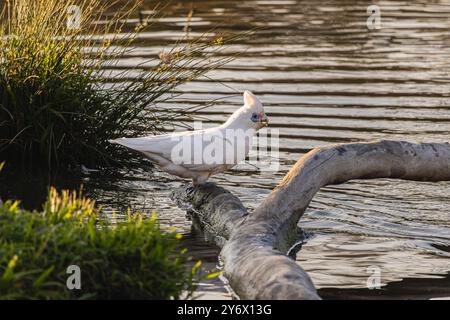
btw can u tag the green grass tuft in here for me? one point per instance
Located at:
(132, 259)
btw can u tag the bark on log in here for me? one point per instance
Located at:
(254, 246)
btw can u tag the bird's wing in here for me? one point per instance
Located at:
(176, 148)
(182, 149)
(161, 145)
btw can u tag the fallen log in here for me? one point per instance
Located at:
(255, 246)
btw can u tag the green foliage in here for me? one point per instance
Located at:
(53, 108)
(132, 259)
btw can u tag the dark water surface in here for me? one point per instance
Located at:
(323, 78)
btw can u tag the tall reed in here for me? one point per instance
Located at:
(54, 110)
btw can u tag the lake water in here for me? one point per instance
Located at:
(324, 78)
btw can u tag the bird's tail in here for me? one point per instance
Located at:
(123, 142)
(132, 143)
(115, 141)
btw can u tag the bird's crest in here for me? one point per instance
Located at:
(250, 100)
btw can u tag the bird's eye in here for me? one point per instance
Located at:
(254, 117)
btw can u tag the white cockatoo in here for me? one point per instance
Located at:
(199, 154)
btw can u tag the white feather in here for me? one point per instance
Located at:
(160, 149)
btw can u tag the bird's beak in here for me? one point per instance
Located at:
(265, 121)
